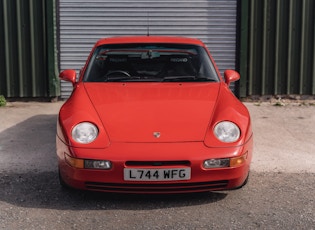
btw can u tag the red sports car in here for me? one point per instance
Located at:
(152, 115)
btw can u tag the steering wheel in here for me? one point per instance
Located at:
(117, 73)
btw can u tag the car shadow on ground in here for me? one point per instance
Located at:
(29, 177)
(42, 190)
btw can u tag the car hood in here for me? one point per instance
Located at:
(154, 112)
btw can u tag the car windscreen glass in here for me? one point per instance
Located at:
(150, 62)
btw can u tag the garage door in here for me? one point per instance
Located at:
(82, 23)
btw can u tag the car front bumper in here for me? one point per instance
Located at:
(154, 156)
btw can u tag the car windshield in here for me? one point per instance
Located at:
(150, 62)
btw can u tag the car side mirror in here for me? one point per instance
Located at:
(231, 76)
(68, 75)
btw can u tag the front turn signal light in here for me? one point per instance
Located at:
(74, 162)
(237, 161)
(87, 164)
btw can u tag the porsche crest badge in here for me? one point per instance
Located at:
(156, 134)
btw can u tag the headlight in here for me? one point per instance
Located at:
(227, 131)
(84, 132)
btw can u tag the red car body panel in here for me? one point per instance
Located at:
(131, 112)
(128, 113)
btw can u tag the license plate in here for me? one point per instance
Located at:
(156, 174)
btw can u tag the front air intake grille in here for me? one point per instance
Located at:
(157, 188)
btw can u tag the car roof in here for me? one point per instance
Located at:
(149, 39)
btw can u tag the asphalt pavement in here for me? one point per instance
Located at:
(280, 193)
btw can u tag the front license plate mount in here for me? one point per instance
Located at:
(145, 174)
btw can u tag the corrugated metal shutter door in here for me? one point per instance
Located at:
(83, 22)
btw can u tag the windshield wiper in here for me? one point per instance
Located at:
(155, 79)
(132, 79)
(186, 79)
(179, 78)
(121, 78)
